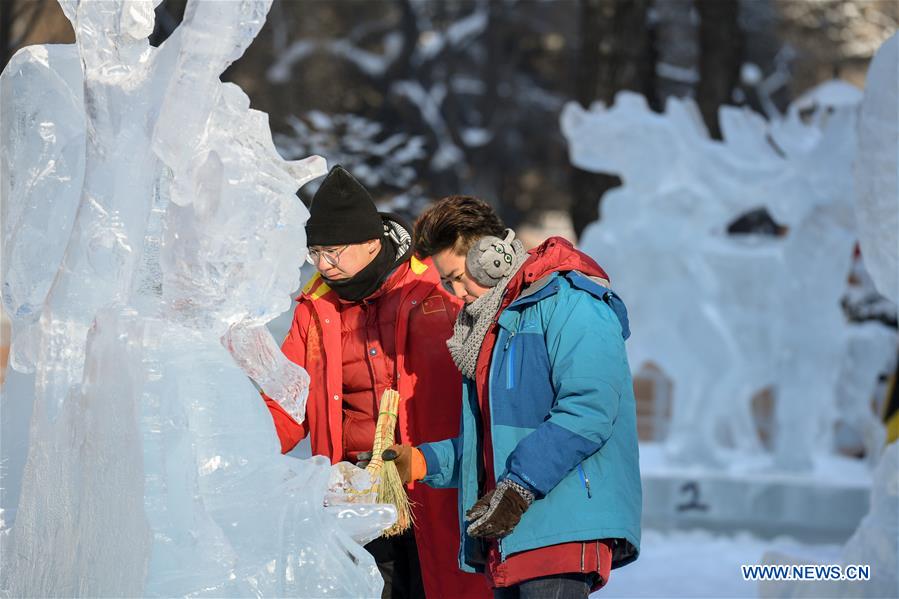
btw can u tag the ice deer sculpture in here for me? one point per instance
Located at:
(726, 316)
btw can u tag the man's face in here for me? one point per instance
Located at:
(347, 260)
(455, 277)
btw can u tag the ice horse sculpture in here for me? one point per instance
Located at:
(726, 316)
(149, 229)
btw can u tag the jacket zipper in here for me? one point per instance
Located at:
(499, 542)
(583, 551)
(585, 480)
(510, 371)
(509, 340)
(510, 380)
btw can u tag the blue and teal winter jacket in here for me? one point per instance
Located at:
(562, 422)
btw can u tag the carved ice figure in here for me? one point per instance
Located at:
(149, 228)
(726, 316)
(870, 351)
(877, 170)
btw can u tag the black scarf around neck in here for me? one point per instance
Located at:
(370, 278)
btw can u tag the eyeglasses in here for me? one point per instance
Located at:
(331, 255)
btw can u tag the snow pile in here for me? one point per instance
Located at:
(724, 315)
(697, 563)
(150, 228)
(877, 170)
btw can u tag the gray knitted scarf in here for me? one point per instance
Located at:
(474, 319)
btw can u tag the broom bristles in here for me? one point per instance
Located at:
(387, 484)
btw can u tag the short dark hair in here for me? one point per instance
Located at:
(456, 222)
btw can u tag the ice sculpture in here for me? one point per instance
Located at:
(149, 229)
(726, 316)
(875, 544)
(870, 351)
(877, 170)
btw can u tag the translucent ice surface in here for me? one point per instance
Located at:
(727, 316)
(874, 544)
(877, 170)
(42, 166)
(150, 230)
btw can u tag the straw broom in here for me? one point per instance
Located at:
(386, 479)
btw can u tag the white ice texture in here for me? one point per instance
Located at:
(727, 316)
(875, 543)
(877, 170)
(149, 229)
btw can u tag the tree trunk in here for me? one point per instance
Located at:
(615, 54)
(6, 11)
(720, 56)
(677, 49)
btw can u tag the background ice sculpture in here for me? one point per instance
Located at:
(726, 316)
(877, 170)
(149, 225)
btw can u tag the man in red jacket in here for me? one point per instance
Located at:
(373, 318)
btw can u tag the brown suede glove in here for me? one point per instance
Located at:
(498, 512)
(410, 462)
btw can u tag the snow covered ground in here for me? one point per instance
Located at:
(701, 564)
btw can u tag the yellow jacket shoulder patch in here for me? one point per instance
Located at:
(418, 267)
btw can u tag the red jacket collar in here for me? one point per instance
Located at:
(389, 283)
(556, 254)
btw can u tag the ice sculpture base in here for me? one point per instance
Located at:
(822, 506)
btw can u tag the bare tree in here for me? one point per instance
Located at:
(721, 54)
(676, 24)
(615, 54)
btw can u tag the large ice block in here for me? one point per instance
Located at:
(877, 169)
(42, 166)
(150, 230)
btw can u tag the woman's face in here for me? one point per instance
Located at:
(455, 277)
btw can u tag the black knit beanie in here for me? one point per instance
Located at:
(342, 211)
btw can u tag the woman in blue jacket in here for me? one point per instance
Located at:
(546, 460)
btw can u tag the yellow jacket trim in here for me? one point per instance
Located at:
(418, 267)
(311, 283)
(322, 288)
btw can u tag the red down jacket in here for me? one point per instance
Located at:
(429, 385)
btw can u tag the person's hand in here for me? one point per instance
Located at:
(498, 512)
(363, 458)
(410, 462)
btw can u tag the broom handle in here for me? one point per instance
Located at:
(385, 428)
